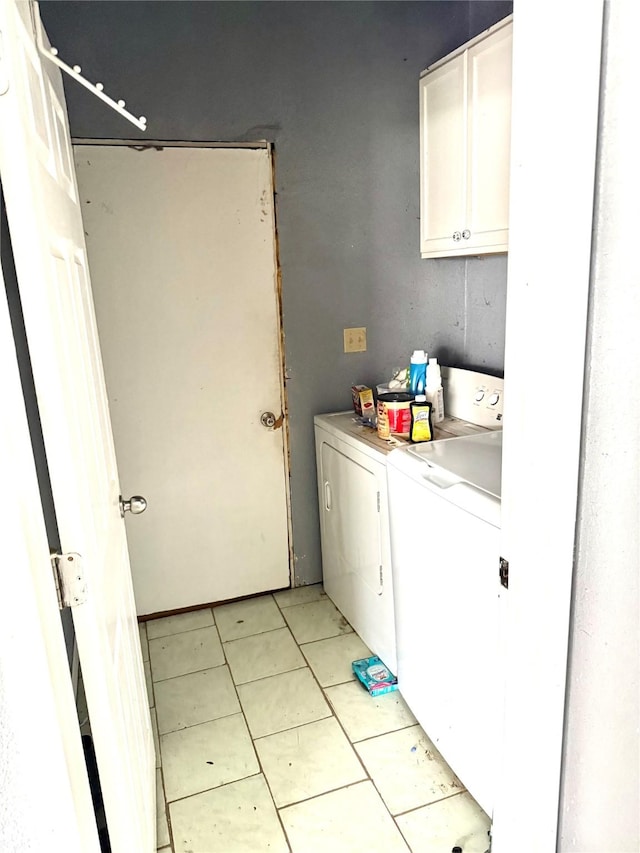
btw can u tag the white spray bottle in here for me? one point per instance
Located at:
(434, 392)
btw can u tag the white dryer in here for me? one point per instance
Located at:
(351, 463)
(354, 527)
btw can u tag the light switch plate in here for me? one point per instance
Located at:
(355, 340)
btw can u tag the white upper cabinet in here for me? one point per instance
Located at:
(465, 133)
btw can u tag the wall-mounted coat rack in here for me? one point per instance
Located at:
(51, 53)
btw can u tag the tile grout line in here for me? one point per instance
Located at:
(426, 805)
(277, 808)
(203, 723)
(341, 727)
(352, 743)
(215, 787)
(164, 790)
(252, 739)
(175, 633)
(332, 714)
(291, 728)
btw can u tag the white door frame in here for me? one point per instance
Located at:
(45, 794)
(553, 160)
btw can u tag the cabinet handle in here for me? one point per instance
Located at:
(457, 236)
(466, 233)
(327, 496)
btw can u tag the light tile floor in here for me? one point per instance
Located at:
(265, 741)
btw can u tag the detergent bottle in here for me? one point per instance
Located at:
(418, 372)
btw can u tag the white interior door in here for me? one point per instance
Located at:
(38, 721)
(182, 253)
(48, 243)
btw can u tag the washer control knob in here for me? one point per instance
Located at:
(479, 395)
(493, 399)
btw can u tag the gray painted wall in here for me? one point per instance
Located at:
(335, 86)
(601, 768)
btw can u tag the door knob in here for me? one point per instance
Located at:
(135, 505)
(268, 419)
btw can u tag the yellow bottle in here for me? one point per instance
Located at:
(421, 425)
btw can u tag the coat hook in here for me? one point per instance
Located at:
(51, 53)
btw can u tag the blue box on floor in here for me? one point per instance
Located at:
(375, 676)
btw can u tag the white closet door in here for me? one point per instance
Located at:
(181, 245)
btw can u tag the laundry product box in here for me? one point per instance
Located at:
(363, 401)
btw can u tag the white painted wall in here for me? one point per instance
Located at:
(600, 808)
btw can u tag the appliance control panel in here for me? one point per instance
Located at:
(472, 396)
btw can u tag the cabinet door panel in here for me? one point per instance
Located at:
(465, 130)
(489, 134)
(352, 545)
(443, 174)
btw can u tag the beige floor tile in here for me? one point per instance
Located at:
(307, 761)
(455, 822)
(167, 625)
(144, 642)
(243, 618)
(207, 756)
(156, 737)
(262, 655)
(316, 620)
(179, 654)
(236, 818)
(350, 820)
(149, 684)
(162, 830)
(363, 715)
(300, 595)
(195, 698)
(331, 659)
(407, 769)
(282, 702)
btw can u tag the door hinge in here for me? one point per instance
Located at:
(504, 572)
(378, 501)
(381, 578)
(68, 574)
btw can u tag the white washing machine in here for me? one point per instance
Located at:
(445, 533)
(354, 514)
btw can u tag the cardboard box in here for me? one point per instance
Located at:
(363, 401)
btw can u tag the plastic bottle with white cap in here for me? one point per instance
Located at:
(434, 392)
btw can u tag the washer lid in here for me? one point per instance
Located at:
(473, 459)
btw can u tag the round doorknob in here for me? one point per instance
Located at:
(268, 420)
(466, 234)
(457, 236)
(135, 505)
